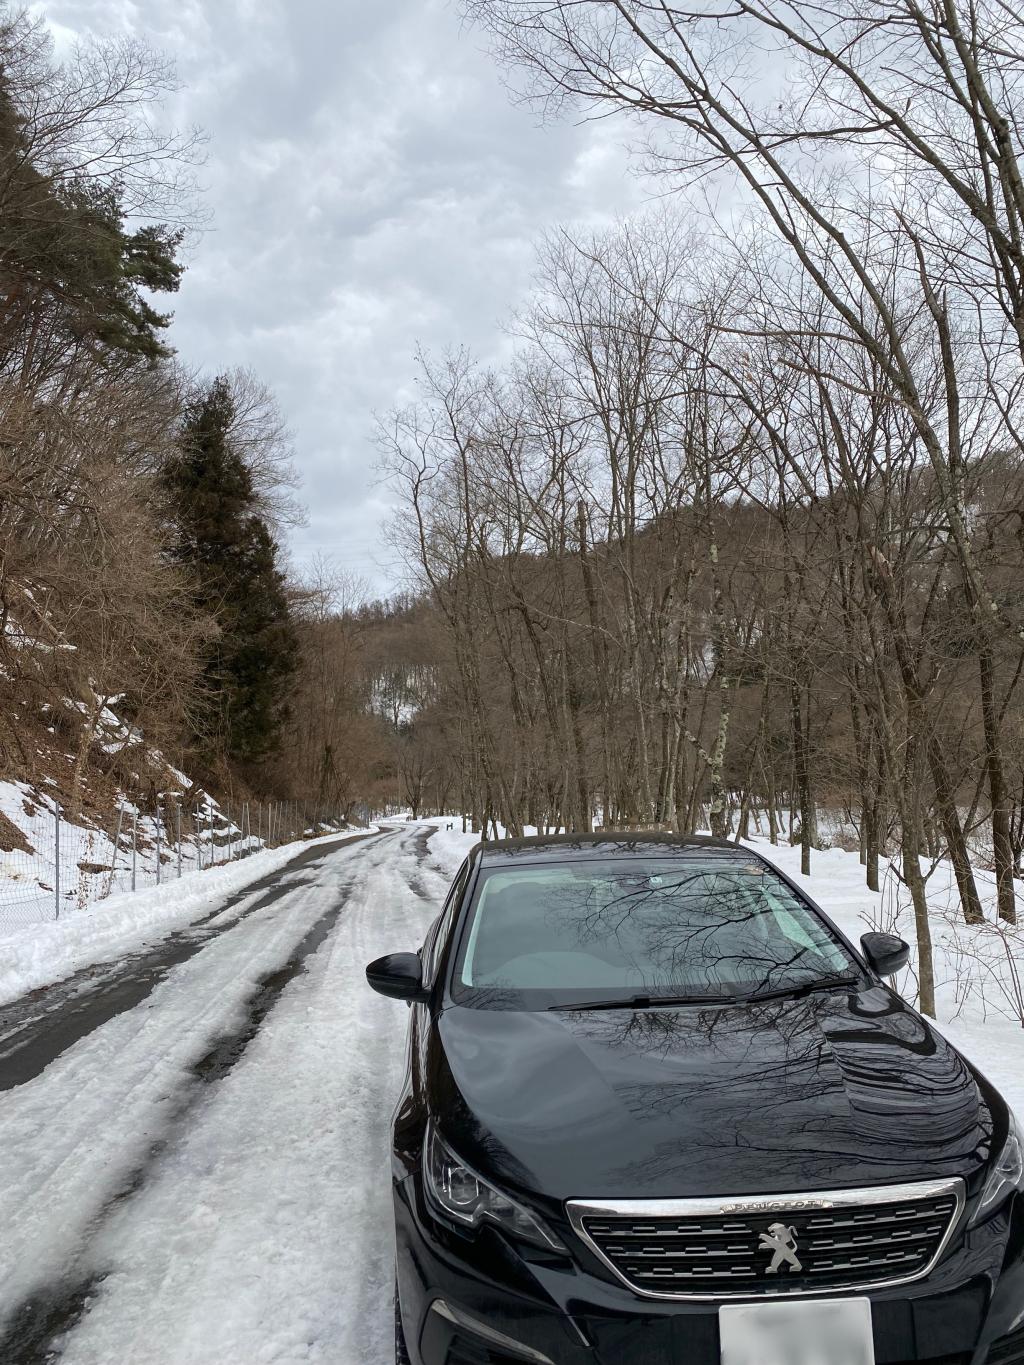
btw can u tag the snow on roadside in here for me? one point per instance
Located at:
(40, 954)
(93, 863)
(968, 1016)
(448, 847)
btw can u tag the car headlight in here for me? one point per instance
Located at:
(1006, 1176)
(468, 1199)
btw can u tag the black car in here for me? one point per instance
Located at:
(659, 1111)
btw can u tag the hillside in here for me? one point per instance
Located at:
(89, 806)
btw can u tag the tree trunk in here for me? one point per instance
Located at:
(870, 820)
(718, 815)
(910, 851)
(1002, 841)
(802, 778)
(945, 799)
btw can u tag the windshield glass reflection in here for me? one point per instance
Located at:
(596, 931)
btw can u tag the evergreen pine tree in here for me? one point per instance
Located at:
(229, 548)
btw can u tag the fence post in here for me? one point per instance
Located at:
(156, 822)
(56, 860)
(117, 850)
(209, 812)
(135, 843)
(177, 833)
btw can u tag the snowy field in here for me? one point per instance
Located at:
(203, 1179)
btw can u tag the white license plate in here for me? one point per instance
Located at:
(825, 1332)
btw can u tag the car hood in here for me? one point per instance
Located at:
(831, 1090)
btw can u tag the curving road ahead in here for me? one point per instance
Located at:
(194, 1143)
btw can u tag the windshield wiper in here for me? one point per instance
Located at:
(825, 983)
(650, 1002)
(646, 1002)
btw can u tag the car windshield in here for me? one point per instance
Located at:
(592, 930)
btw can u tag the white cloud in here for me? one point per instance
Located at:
(372, 188)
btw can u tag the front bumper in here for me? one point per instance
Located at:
(540, 1308)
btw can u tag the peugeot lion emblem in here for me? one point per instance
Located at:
(781, 1241)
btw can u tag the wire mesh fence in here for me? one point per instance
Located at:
(58, 867)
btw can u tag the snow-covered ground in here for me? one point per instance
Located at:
(203, 1179)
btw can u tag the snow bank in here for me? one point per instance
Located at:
(40, 954)
(448, 847)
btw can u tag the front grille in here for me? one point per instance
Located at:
(726, 1249)
(1008, 1350)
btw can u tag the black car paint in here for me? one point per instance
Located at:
(843, 1088)
(829, 1090)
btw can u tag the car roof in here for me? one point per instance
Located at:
(617, 843)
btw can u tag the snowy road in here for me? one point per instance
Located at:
(194, 1152)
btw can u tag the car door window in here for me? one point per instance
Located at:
(438, 935)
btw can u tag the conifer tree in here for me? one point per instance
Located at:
(231, 553)
(71, 267)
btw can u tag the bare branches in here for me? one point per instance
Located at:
(95, 118)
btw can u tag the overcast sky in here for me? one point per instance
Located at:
(372, 187)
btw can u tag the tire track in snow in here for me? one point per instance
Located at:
(418, 845)
(37, 1029)
(80, 1139)
(50, 1313)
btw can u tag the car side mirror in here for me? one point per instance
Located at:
(398, 976)
(886, 954)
